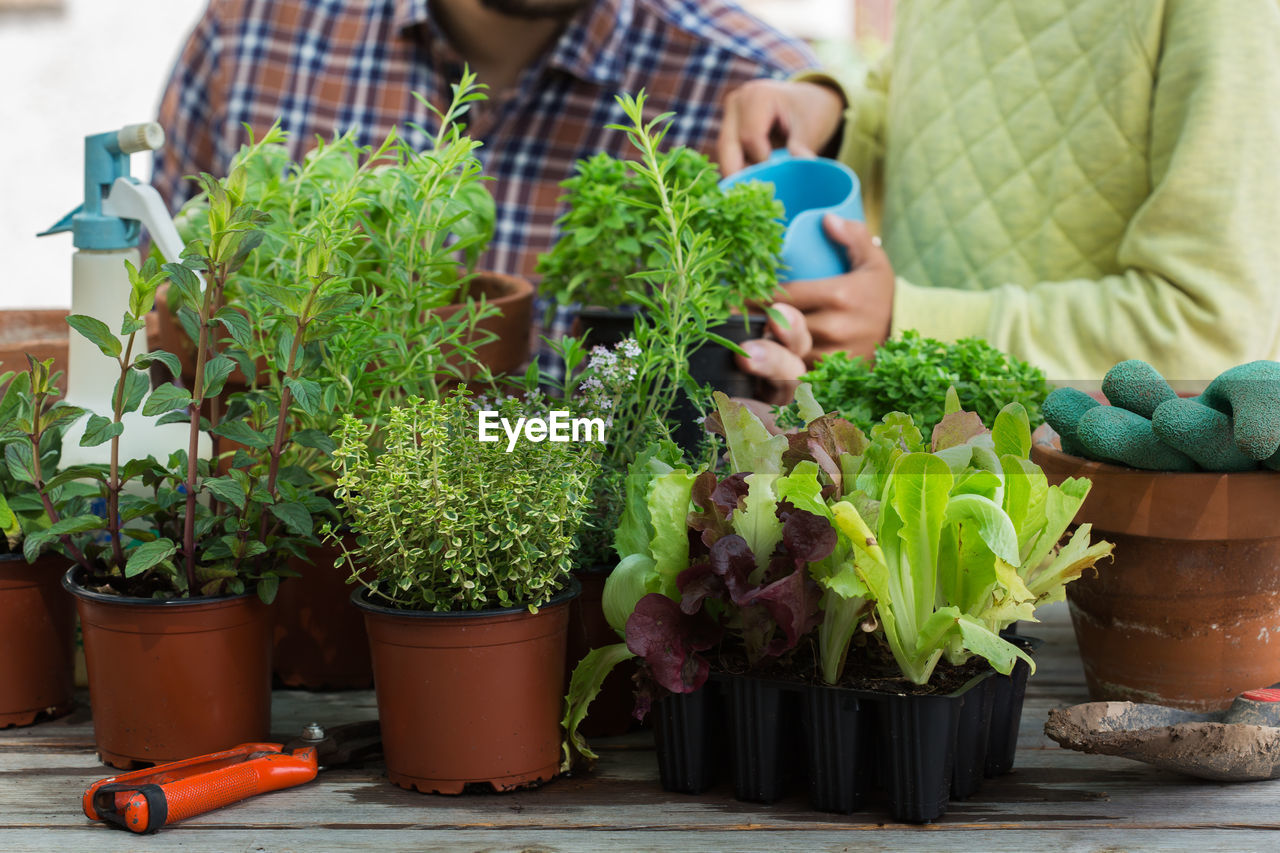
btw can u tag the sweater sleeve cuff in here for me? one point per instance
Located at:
(822, 78)
(941, 313)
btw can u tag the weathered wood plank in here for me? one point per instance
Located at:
(1054, 798)
(766, 840)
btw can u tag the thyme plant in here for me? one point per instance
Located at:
(450, 522)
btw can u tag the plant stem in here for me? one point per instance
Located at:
(38, 484)
(113, 479)
(213, 285)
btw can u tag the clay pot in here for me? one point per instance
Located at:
(37, 641)
(469, 698)
(511, 295)
(514, 298)
(320, 641)
(1185, 614)
(611, 711)
(173, 679)
(43, 333)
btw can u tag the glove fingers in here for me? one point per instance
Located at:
(1110, 432)
(1203, 433)
(1136, 386)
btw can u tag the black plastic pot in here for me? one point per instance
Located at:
(972, 737)
(765, 736)
(1008, 693)
(712, 364)
(923, 749)
(685, 731)
(919, 737)
(839, 728)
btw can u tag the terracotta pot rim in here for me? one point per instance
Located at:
(572, 590)
(1053, 452)
(519, 288)
(72, 585)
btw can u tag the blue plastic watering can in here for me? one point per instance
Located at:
(809, 188)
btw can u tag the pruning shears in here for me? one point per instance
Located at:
(142, 801)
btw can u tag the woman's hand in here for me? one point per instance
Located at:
(846, 313)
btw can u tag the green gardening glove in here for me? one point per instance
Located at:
(1136, 386)
(1063, 409)
(1119, 435)
(1250, 396)
(1203, 433)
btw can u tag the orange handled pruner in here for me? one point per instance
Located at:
(144, 800)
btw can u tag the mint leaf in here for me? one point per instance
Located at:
(148, 555)
(97, 333)
(99, 430)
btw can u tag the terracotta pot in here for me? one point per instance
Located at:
(1185, 615)
(37, 640)
(469, 698)
(320, 641)
(43, 333)
(611, 711)
(514, 298)
(173, 679)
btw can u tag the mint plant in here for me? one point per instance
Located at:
(29, 407)
(449, 522)
(189, 526)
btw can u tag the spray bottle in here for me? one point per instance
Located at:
(105, 230)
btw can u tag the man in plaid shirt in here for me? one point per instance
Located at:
(552, 67)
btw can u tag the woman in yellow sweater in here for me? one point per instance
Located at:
(1077, 182)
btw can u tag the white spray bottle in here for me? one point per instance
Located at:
(105, 230)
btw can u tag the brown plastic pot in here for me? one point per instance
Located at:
(514, 298)
(320, 641)
(469, 698)
(1188, 615)
(173, 679)
(37, 641)
(611, 711)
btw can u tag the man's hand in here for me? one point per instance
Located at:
(765, 114)
(850, 313)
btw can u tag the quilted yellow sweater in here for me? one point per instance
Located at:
(1081, 181)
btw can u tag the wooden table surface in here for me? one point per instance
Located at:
(1054, 800)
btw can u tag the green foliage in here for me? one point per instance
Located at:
(614, 228)
(394, 233)
(186, 526)
(959, 540)
(27, 405)
(681, 239)
(449, 522)
(912, 374)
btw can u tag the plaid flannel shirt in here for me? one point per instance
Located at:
(326, 66)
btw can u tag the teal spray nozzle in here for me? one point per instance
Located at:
(116, 204)
(105, 229)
